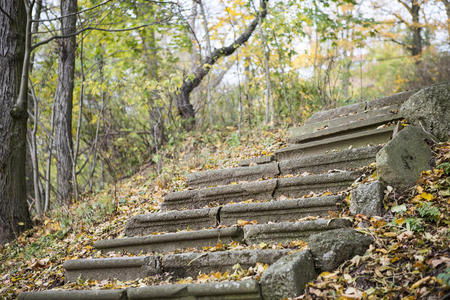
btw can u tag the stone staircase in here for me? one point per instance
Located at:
(274, 194)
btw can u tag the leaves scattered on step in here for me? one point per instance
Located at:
(410, 258)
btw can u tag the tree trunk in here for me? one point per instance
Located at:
(208, 48)
(64, 101)
(416, 47)
(191, 81)
(14, 215)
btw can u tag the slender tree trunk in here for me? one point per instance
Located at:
(14, 215)
(64, 102)
(416, 47)
(269, 116)
(34, 155)
(208, 48)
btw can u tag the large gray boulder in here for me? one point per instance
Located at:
(331, 248)
(430, 108)
(401, 161)
(367, 199)
(288, 277)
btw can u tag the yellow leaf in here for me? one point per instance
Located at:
(427, 196)
(420, 282)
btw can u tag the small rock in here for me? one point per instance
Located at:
(430, 108)
(401, 161)
(288, 277)
(367, 199)
(333, 247)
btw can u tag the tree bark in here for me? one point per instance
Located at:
(14, 215)
(64, 101)
(191, 81)
(416, 47)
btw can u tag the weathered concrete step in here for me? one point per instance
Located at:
(173, 241)
(258, 160)
(396, 99)
(146, 224)
(275, 232)
(278, 211)
(354, 140)
(225, 290)
(259, 190)
(191, 264)
(226, 176)
(341, 160)
(315, 127)
(75, 295)
(367, 122)
(179, 265)
(298, 186)
(121, 268)
(288, 231)
(273, 211)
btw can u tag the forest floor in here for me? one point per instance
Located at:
(410, 258)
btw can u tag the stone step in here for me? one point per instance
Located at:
(260, 190)
(264, 212)
(299, 186)
(341, 160)
(278, 211)
(289, 231)
(396, 99)
(170, 221)
(178, 265)
(316, 127)
(227, 176)
(225, 290)
(190, 199)
(350, 124)
(173, 241)
(258, 160)
(275, 232)
(375, 136)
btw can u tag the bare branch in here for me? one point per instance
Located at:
(72, 14)
(90, 28)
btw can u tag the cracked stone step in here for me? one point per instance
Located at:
(75, 295)
(275, 232)
(396, 99)
(341, 160)
(227, 176)
(146, 224)
(258, 160)
(281, 210)
(315, 127)
(121, 268)
(375, 136)
(172, 241)
(191, 264)
(299, 186)
(178, 265)
(260, 190)
(364, 121)
(288, 231)
(225, 290)
(264, 212)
